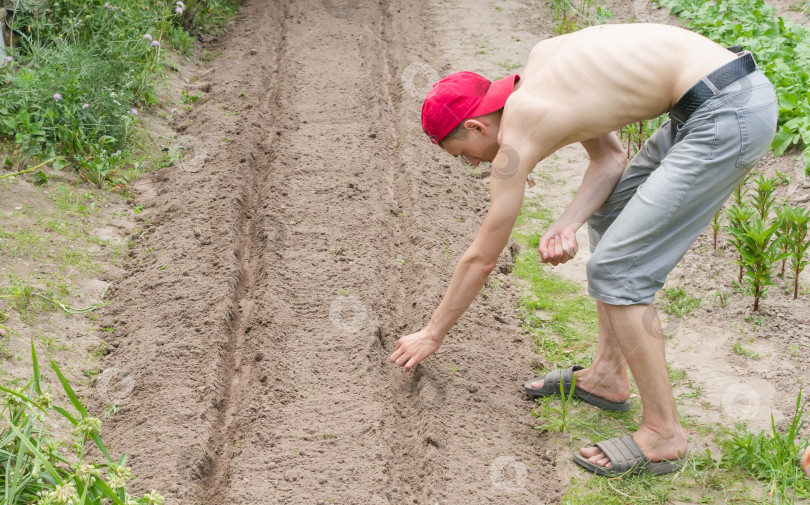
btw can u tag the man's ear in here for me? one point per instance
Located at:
(474, 125)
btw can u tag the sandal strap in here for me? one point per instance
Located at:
(553, 379)
(623, 452)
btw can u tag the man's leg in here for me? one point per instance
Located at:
(660, 435)
(712, 154)
(607, 375)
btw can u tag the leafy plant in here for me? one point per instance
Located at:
(763, 196)
(758, 250)
(772, 457)
(32, 467)
(679, 302)
(781, 49)
(737, 215)
(798, 243)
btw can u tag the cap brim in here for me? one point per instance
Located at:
(496, 96)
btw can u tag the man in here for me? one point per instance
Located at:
(642, 216)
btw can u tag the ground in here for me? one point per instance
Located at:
(309, 225)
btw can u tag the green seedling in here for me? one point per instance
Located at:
(716, 227)
(798, 243)
(763, 196)
(737, 216)
(759, 250)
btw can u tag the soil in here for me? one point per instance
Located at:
(283, 258)
(310, 225)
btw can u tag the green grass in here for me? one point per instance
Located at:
(678, 302)
(33, 465)
(561, 319)
(742, 350)
(563, 323)
(80, 72)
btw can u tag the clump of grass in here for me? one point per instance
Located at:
(679, 302)
(33, 468)
(78, 72)
(771, 457)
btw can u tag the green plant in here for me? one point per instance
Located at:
(798, 242)
(559, 422)
(32, 467)
(716, 227)
(772, 457)
(758, 250)
(679, 302)
(780, 48)
(635, 134)
(738, 215)
(763, 196)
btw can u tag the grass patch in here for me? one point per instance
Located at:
(678, 302)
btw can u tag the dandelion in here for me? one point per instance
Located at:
(147, 36)
(85, 105)
(133, 111)
(155, 43)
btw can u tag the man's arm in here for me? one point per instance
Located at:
(607, 162)
(509, 171)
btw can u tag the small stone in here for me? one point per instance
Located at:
(254, 52)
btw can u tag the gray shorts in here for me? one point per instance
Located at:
(673, 187)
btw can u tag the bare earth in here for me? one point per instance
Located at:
(311, 225)
(291, 249)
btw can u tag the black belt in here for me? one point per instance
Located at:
(720, 78)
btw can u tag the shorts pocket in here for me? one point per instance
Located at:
(757, 129)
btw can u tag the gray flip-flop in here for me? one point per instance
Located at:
(551, 387)
(627, 457)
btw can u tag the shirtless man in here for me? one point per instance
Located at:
(582, 87)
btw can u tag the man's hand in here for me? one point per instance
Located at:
(413, 348)
(558, 245)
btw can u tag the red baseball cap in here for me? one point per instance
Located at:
(460, 96)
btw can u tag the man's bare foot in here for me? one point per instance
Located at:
(656, 447)
(610, 387)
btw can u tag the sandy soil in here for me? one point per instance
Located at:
(310, 226)
(294, 245)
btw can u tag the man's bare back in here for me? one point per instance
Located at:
(638, 72)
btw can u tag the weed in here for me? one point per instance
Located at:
(741, 350)
(35, 469)
(678, 302)
(772, 457)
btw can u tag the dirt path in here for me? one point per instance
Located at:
(310, 227)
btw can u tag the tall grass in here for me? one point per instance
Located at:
(33, 466)
(78, 72)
